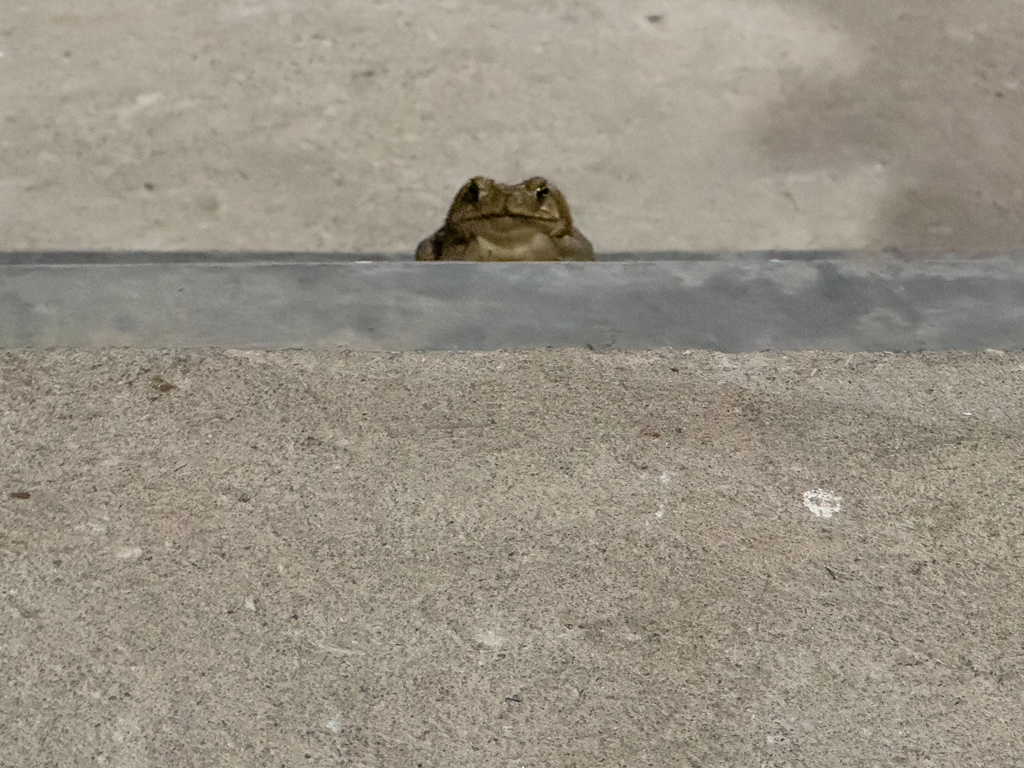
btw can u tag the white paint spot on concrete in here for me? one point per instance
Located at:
(249, 603)
(823, 503)
(665, 477)
(490, 639)
(128, 553)
(661, 511)
(333, 725)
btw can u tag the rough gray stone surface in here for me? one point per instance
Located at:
(550, 558)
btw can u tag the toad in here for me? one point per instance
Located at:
(489, 221)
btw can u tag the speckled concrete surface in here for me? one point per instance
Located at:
(510, 559)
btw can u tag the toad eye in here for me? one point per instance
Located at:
(473, 192)
(542, 193)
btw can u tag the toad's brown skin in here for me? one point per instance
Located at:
(489, 221)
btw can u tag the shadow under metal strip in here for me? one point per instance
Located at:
(728, 302)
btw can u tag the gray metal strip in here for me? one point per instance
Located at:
(727, 302)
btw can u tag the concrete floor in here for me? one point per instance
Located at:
(670, 125)
(553, 558)
(548, 558)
